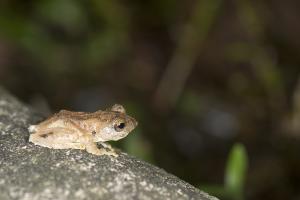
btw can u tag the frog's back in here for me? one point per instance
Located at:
(65, 114)
(83, 116)
(60, 118)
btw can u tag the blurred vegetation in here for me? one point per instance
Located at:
(234, 177)
(236, 169)
(200, 76)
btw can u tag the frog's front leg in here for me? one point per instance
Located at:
(107, 146)
(91, 147)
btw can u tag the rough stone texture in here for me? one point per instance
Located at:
(33, 172)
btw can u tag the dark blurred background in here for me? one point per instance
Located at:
(198, 75)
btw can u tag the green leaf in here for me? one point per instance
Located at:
(236, 170)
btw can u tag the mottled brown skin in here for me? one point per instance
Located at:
(81, 130)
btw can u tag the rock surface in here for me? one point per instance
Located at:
(32, 172)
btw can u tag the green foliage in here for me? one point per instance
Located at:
(68, 35)
(235, 175)
(236, 170)
(64, 13)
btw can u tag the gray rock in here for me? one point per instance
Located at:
(32, 172)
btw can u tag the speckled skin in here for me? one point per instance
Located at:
(80, 130)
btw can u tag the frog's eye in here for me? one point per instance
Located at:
(119, 127)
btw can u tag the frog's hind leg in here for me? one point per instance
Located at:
(40, 138)
(57, 138)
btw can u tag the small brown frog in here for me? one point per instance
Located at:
(81, 130)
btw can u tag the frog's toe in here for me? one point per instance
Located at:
(113, 153)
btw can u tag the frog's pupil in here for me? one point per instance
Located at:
(121, 125)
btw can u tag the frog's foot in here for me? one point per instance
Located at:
(107, 146)
(92, 148)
